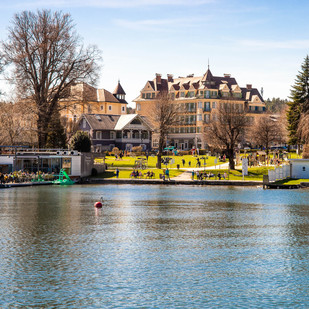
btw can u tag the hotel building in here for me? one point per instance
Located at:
(197, 99)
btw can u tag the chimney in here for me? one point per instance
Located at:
(249, 86)
(227, 75)
(158, 78)
(169, 77)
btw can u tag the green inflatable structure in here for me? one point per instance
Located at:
(63, 179)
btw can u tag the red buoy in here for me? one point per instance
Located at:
(98, 205)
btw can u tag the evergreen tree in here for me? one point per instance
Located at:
(56, 137)
(299, 104)
(81, 142)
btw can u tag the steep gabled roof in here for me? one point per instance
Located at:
(124, 120)
(119, 89)
(250, 94)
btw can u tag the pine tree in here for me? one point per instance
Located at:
(56, 137)
(299, 104)
(81, 142)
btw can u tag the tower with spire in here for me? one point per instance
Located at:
(119, 93)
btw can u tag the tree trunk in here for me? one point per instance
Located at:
(42, 134)
(230, 155)
(160, 150)
(159, 156)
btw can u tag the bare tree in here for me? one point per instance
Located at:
(266, 130)
(227, 128)
(48, 57)
(16, 125)
(163, 114)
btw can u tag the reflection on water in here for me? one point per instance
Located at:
(153, 247)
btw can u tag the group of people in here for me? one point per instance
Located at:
(23, 176)
(138, 174)
(205, 175)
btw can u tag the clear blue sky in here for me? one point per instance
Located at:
(258, 42)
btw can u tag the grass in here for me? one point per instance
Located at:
(129, 162)
(291, 181)
(126, 173)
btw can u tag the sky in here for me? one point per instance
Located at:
(258, 42)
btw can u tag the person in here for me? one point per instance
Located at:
(1, 178)
(117, 172)
(197, 175)
(189, 163)
(193, 175)
(183, 162)
(225, 175)
(167, 174)
(219, 176)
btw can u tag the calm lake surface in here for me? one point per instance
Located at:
(154, 247)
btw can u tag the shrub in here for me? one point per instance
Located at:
(81, 142)
(137, 149)
(115, 151)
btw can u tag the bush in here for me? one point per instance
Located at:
(81, 142)
(137, 149)
(115, 151)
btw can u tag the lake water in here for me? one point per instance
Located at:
(154, 247)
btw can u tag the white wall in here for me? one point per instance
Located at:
(300, 168)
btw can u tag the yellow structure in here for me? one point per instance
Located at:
(85, 99)
(198, 98)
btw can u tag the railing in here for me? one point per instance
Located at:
(279, 173)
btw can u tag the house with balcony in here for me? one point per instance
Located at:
(122, 131)
(198, 98)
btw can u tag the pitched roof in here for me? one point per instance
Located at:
(250, 94)
(101, 122)
(112, 122)
(105, 96)
(119, 89)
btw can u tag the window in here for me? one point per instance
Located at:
(136, 121)
(225, 94)
(206, 94)
(84, 123)
(148, 95)
(138, 107)
(143, 95)
(182, 94)
(214, 94)
(206, 118)
(101, 107)
(200, 104)
(109, 107)
(123, 109)
(206, 106)
(213, 104)
(199, 117)
(112, 135)
(98, 135)
(153, 95)
(191, 94)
